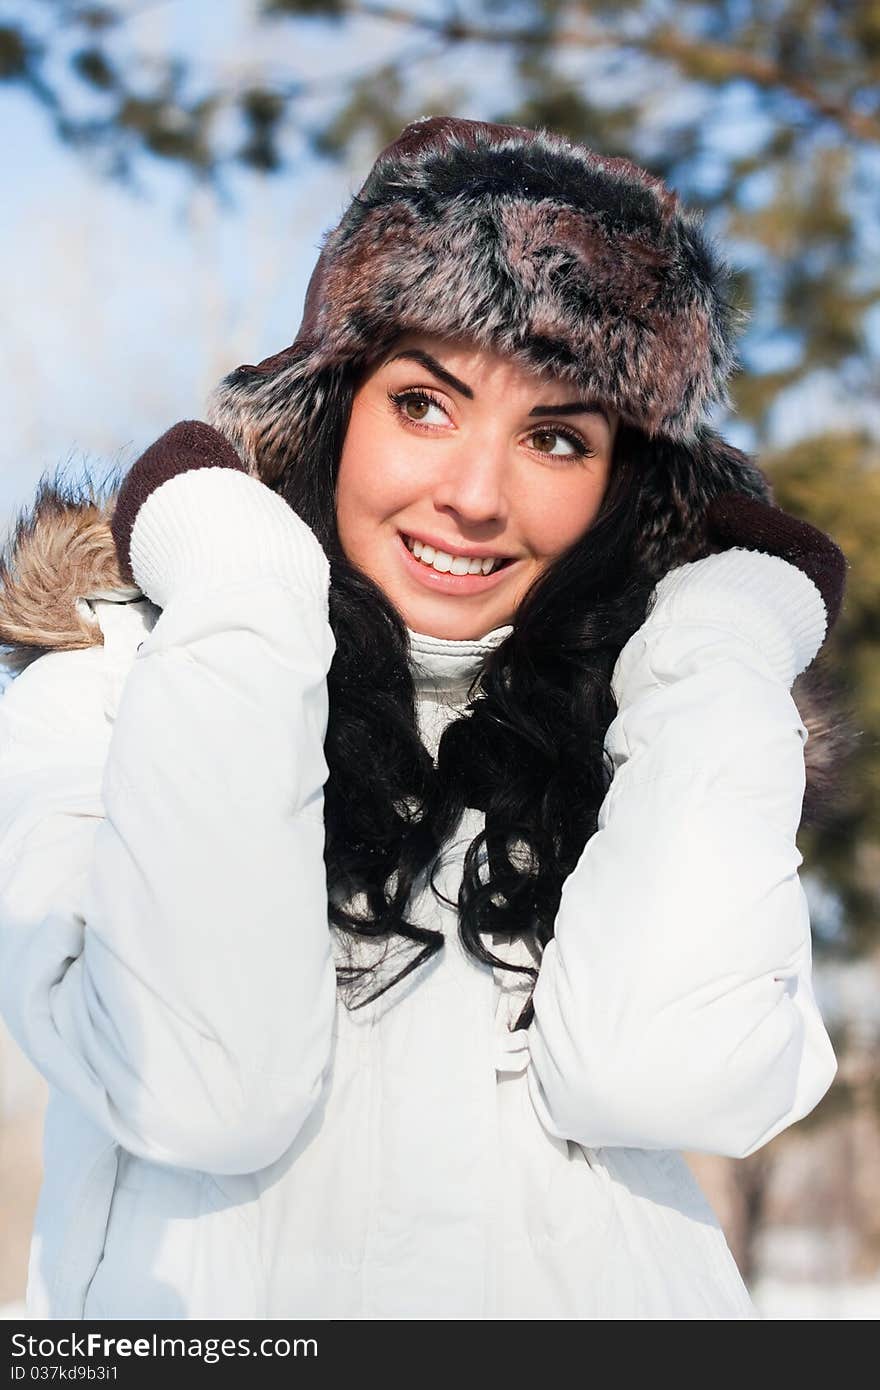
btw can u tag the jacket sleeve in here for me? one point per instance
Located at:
(674, 1008)
(166, 951)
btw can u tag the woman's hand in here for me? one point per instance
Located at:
(186, 445)
(735, 520)
(189, 516)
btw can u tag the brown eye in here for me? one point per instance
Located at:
(414, 405)
(547, 439)
(573, 447)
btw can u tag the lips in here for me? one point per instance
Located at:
(445, 582)
(445, 562)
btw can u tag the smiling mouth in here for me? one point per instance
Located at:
(444, 563)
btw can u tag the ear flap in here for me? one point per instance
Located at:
(270, 412)
(678, 481)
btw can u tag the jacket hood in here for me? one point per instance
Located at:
(60, 553)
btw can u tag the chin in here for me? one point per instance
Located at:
(450, 626)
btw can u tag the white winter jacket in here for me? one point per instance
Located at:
(224, 1139)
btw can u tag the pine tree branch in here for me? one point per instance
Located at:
(700, 58)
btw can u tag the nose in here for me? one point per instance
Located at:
(473, 483)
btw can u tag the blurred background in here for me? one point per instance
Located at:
(169, 170)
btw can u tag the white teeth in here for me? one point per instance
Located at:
(445, 563)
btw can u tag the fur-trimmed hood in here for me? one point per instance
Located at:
(60, 553)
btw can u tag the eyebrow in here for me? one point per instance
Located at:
(426, 360)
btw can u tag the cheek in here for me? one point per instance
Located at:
(558, 514)
(375, 478)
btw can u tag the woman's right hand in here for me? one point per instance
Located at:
(189, 517)
(165, 959)
(186, 445)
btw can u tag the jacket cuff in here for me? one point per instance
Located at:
(768, 601)
(214, 526)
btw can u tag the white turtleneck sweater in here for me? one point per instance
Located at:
(443, 670)
(224, 1138)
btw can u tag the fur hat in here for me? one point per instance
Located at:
(573, 262)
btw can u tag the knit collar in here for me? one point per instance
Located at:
(446, 666)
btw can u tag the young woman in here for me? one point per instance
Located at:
(398, 818)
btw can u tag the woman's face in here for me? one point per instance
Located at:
(455, 457)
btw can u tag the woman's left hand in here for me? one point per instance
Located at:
(733, 519)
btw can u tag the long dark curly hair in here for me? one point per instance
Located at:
(527, 749)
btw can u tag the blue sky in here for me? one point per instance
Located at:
(120, 312)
